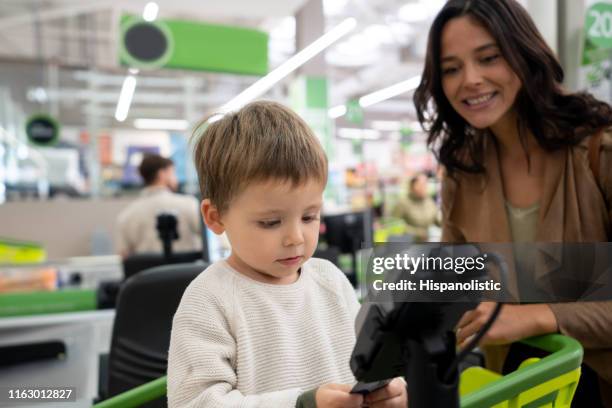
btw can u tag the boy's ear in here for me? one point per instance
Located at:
(212, 217)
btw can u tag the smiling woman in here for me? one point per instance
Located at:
(525, 161)
(477, 80)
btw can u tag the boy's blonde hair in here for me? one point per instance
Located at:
(264, 140)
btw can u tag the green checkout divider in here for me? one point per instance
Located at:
(60, 301)
(565, 358)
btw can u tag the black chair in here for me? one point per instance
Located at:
(330, 253)
(348, 232)
(140, 262)
(141, 332)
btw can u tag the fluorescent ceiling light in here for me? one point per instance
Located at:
(387, 125)
(264, 84)
(38, 94)
(379, 33)
(214, 118)
(413, 12)
(125, 98)
(169, 124)
(333, 7)
(150, 11)
(336, 111)
(23, 152)
(390, 92)
(360, 134)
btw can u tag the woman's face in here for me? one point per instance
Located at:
(476, 79)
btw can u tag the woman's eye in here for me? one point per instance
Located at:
(449, 70)
(269, 224)
(490, 58)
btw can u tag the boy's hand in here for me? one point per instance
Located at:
(337, 395)
(393, 395)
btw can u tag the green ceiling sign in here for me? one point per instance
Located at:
(42, 129)
(192, 45)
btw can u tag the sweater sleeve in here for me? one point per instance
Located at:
(201, 369)
(605, 174)
(588, 322)
(591, 322)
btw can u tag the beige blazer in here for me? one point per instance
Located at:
(572, 209)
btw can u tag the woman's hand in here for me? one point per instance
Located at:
(514, 322)
(393, 395)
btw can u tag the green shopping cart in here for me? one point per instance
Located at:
(548, 382)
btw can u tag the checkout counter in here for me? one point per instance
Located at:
(57, 335)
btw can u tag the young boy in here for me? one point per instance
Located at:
(269, 326)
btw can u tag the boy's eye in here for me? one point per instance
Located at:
(309, 218)
(269, 223)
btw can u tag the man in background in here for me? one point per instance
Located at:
(137, 231)
(417, 209)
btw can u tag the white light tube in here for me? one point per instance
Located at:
(150, 11)
(336, 111)
(214, 118)
(125, 98)
(264, 84)
(389, 92)
(168, 124)
(359, 134)
(387, 125)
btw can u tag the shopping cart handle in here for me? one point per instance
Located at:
(566, 356)
(568, 351)
(136, 396)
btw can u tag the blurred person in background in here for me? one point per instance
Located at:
(137, 232)
(417, 209)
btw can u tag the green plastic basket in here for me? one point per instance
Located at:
(547, 382)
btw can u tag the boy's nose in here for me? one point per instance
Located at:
(293, 236)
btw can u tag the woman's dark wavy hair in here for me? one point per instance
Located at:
(556, 119)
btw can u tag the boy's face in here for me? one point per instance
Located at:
(273, 228)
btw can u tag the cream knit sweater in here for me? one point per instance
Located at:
(237, 342)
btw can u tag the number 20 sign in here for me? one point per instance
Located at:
(598, 25)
